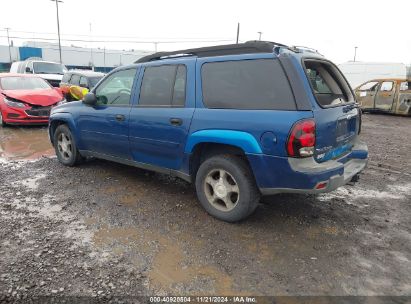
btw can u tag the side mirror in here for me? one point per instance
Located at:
(28, 70)
(90, 99)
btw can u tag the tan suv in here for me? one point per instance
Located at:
(385, 95)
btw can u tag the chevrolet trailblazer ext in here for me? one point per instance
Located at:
(239, 121)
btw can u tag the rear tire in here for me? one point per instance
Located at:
(65, 147)
(226, 188)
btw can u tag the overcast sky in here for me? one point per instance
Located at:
(380, 29)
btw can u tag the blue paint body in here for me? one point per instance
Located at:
(147, 137)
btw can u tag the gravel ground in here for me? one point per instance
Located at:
(104, 230)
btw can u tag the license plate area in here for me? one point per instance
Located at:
(346, 128)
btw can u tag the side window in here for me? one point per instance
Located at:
(163, 86)
(83, 82)
(386, 86)
(405, 86)
(116, 88)
(246, 84)
(66, 78)
(179, 94)
(75, 80)
(369, 86)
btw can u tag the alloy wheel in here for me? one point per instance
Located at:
(221, 190)
(65, 146)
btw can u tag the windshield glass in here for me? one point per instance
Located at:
(48, 68)
(93, 81)
(23, 83)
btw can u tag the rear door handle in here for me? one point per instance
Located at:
(120, 117)
(176, 121)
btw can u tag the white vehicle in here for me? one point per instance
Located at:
(360, 72)
(51, 71)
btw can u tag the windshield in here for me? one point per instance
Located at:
(23, 83)
(49, 68)
(93, 81)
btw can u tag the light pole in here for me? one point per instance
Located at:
(8, 41)
(238, 32)
(58, 24)
(355, 52)
(91, 51)
(259, 37)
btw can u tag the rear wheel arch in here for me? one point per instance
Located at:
(204, 150)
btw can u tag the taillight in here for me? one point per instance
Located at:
(301, 140)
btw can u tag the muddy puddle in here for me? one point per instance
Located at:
(24, 143)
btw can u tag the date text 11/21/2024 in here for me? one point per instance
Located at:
(203, 299)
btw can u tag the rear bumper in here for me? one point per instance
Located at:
(292, 175)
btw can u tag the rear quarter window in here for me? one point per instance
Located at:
(258, 84)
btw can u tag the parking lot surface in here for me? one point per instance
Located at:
(103, 229)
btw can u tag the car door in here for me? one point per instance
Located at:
(104, 127)
(160, 120)
(385, 96)
(366, 94)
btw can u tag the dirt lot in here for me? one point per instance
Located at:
(103, 229)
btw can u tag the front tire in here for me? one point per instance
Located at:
(65, 147)
(226, 188)
(2, 123)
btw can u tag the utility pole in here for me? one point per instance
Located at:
(104, 58)
(155, 46)
(91, 51)
(8, 41)
(355, 52)
(259, 37)
(58, 24)
(238, 32)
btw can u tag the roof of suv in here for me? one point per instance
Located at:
(248, 47)
(86, 73)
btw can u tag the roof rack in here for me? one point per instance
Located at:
(219, 50)
(300, 48)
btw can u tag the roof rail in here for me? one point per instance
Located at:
(299, 48)
(218, 50)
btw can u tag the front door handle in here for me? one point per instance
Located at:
(176, 121)
(120, 117)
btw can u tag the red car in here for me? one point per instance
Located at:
(26, 99)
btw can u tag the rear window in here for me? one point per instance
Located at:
(259, 84)
(328, 84)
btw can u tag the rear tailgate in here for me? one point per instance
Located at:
(337, 115)
(337, 129)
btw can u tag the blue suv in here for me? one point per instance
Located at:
(239, 121)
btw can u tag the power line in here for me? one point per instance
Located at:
(121, 41)
(125, 37)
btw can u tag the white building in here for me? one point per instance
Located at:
(72, 56)
(359, 72)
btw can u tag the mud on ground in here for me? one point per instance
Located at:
(103, 229)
